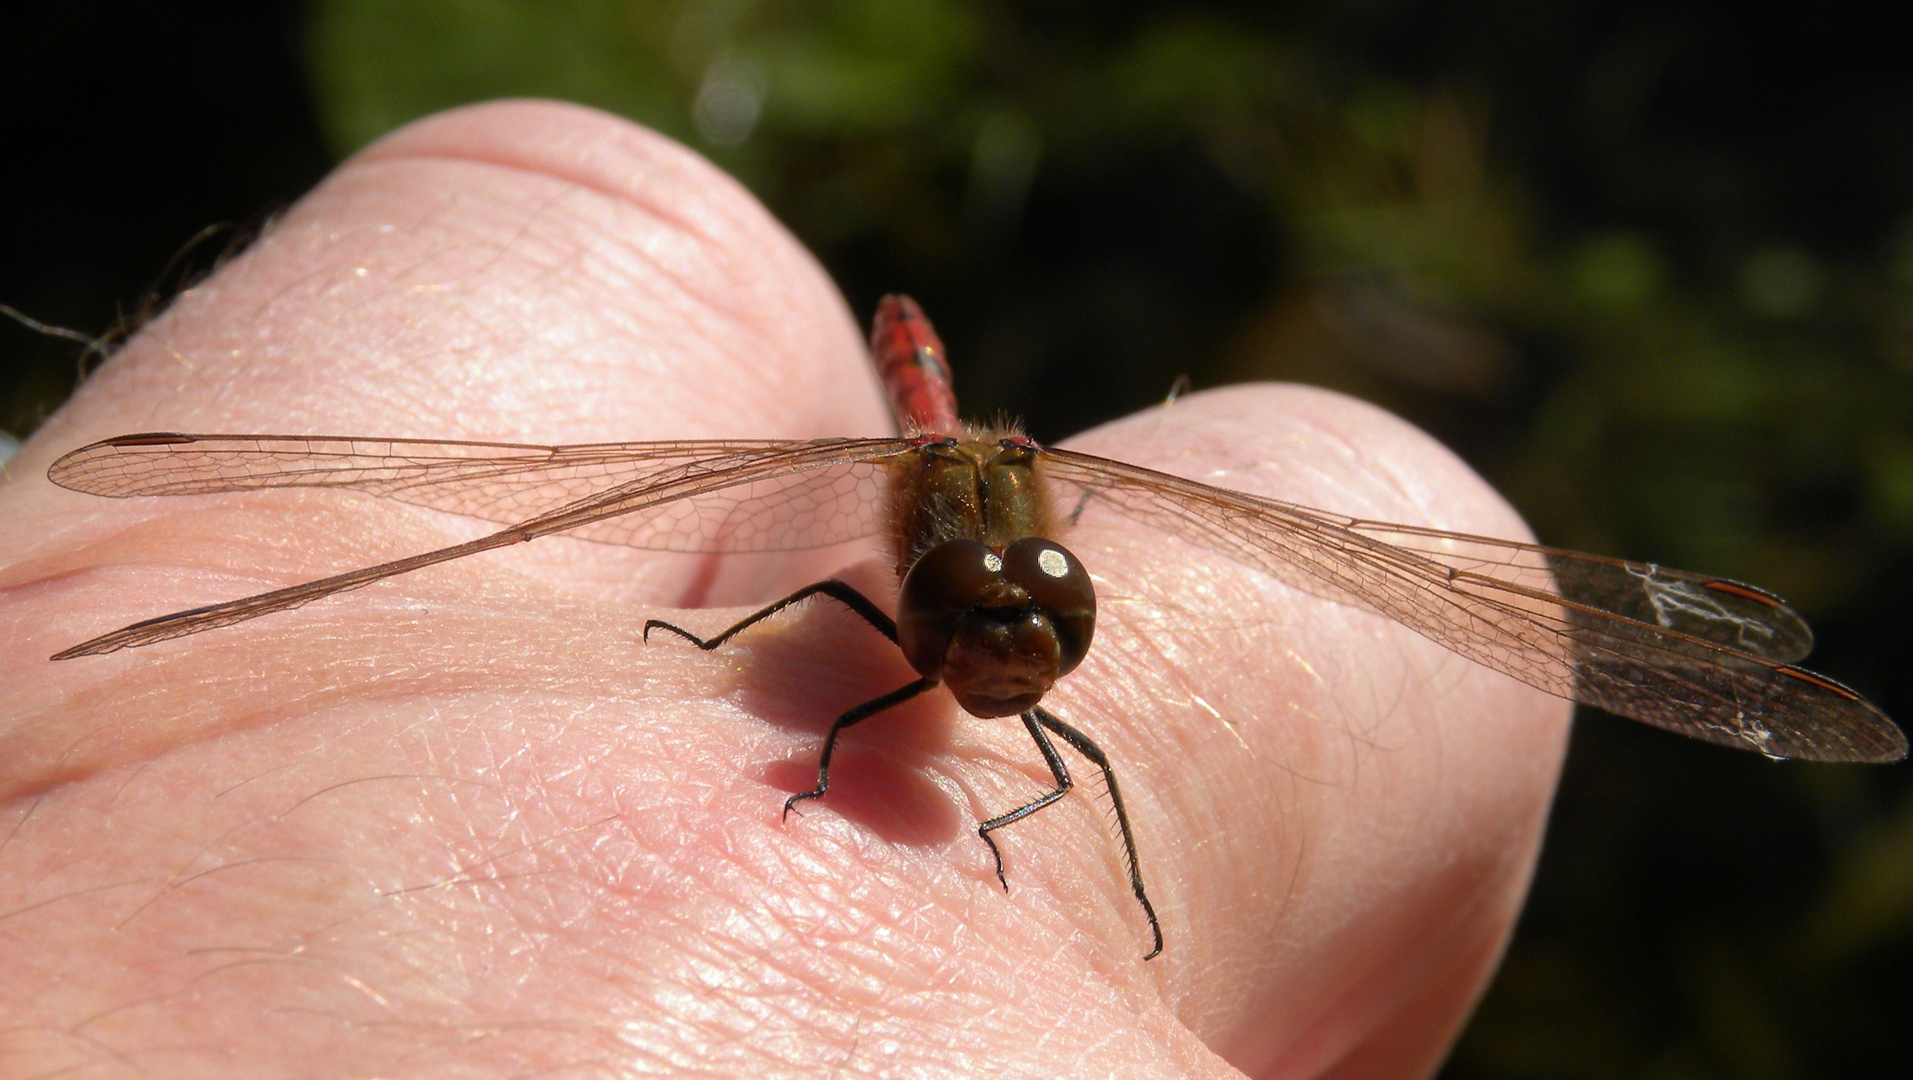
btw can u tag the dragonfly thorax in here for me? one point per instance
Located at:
(985, 486)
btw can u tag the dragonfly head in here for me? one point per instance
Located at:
(999, 628)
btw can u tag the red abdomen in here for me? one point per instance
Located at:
(910, 358)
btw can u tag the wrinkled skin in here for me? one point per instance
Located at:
(466, 824)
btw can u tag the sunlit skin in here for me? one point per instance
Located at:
(473, 821)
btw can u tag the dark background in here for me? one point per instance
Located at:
(1649, 266)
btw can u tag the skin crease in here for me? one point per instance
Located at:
(465, 823)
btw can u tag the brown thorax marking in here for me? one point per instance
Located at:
(983, 485)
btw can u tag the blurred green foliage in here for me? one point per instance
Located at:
(1093, 198)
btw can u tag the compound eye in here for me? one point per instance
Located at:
(945, 582)
(1060, 588)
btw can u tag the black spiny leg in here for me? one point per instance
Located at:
(862, 712)
(1094, 753)
(857, 602)
(860, 605)
(1088, 748)
(1056, 768)
(1082, 504)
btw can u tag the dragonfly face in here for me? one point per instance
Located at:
(997, 627)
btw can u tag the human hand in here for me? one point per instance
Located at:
(466, 823)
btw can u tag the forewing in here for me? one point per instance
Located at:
(1637, 641)
(1728, 613)
(758, 497)
(513, 483)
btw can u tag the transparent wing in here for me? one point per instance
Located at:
(686, 496)
(1717, 610)
(512, 483)
(1700, 656)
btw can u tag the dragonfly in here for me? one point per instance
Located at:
(993, 607)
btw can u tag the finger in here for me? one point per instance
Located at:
(524, 272)
(1337, 817)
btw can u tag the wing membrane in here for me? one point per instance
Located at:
(1699, 656)
(1704, 657)
(1717, 610)
(511, 483)
(697, 496)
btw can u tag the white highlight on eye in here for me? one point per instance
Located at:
(1051, 562)
(992, 562)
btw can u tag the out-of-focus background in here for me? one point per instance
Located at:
(1648, 265)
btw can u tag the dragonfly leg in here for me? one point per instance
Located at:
(1063, 783)
(858, 603)
(1082, 504)
(1094, 753)
(862, 712)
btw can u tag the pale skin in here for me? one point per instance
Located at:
(466, 823)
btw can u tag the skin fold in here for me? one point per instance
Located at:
(465, 823)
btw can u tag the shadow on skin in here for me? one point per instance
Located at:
(805, 666)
